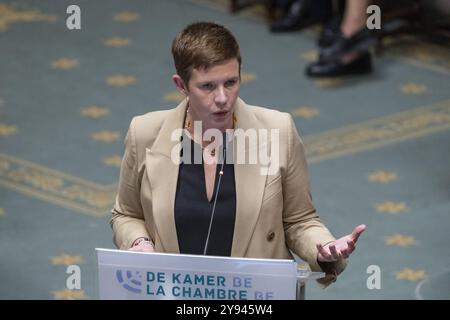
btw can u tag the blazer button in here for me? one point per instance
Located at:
(270, 236)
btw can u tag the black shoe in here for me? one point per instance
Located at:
(331, 33)
(335, 68)
(297, 18)
(359, 42)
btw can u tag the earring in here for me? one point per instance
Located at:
(187, 123)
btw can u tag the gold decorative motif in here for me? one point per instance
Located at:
(117, 42)
(399, 240)
(428, 52)
(421, 53)
(106, 136)
(36, 179)
(414, 88)
(94, 198)
(310, 56)
(391, 207)
(382, 176)
(65, 63)
(67, 294)
(113, 161)
(306, 112)
(10, 15)
(174, 96)
(126, 17)
(378, 132)
(94, 112)
(410, 274)
(329, 83)
(247, 77)
(6, 130)
(120, 80)
(56, 187)
(2, 212)
(66, 260)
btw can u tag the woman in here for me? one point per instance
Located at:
(167, 205)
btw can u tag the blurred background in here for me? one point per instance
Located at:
(372, 105)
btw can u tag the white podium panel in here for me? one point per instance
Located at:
(138, 275)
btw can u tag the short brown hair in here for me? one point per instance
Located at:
(201, 45)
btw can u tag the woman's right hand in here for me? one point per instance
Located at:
(143, 245)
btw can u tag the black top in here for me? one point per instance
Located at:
(193, 210)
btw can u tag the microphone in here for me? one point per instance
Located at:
(217, 192)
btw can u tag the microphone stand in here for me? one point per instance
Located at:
(217, 193)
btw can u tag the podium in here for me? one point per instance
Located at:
(129, 275)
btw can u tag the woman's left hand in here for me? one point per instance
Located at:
(340, 248)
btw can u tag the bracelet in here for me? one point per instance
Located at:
(147, 241)
(139, 240)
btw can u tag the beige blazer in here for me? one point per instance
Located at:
(274, 213)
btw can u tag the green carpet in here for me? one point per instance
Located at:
(378, 146)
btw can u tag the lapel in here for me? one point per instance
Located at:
(249, 182)
(162, 173)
